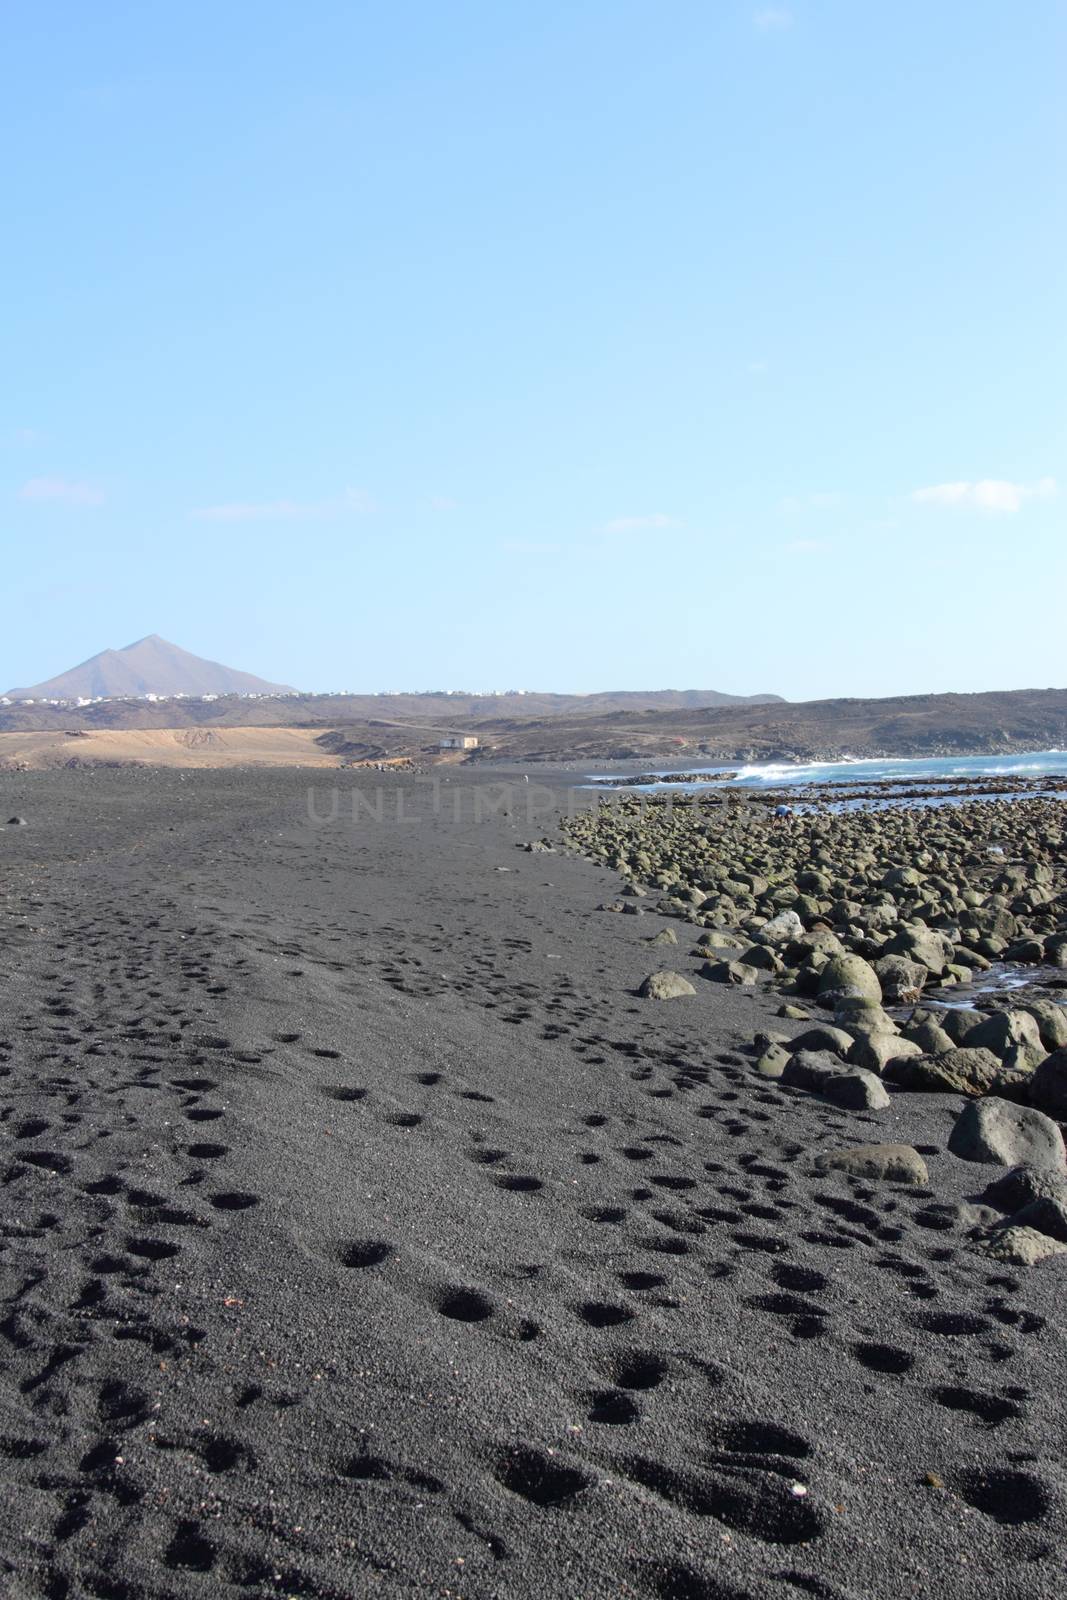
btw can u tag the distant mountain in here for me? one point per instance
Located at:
(149, 666)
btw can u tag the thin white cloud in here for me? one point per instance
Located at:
(987, 494)
(443, 502)
(61, 491)
(355, 502)
(655, 519)
(773, 19)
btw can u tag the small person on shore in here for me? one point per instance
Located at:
(782, 814)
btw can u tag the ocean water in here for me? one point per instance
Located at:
(1033, 764)
(852, 775)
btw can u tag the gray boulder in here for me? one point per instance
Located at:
(1020, 1247)
(929, 1036)
(819, 942)
(994, 1130)
(956, 1071)
(856, 1015)
(782, 928)
(735, 972)
(902, 980)
(823, 1074)
(1045, 1214)
(1014, 1036)
(931, 950)
(875, 1051)
(901, 878)
(773, 1062)
(823, 1037)
(1048, 1086)
(1051, 1022)
(1018, 1187)
(762, 957)
(885, 1163)
(848, 978)
(959, 1023)
(665, 986)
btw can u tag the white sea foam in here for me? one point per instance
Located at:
(853, 771)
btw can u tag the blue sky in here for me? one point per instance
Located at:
(569, 345)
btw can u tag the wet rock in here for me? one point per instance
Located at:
(885, 1163)
(995, 1130)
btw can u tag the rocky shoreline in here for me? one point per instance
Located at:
(879, 921)
(880, 789)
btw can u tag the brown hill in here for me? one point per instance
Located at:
(148, 666)
(326, 710)
(902, 725)
(910, 725)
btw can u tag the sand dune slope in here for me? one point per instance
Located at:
(168, 747)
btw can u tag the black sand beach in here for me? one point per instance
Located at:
(363, 1233)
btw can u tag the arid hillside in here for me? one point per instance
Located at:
(904, 726)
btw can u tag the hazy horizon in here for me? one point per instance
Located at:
(581, 348)
(533, 689)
